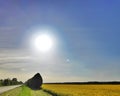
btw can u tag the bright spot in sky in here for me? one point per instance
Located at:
(43, 42)
(68, 60)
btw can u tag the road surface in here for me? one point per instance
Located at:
(6, 88)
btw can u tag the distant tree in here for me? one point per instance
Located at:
(14, 81)
(6, 82)
(20, 82)
(1, 82)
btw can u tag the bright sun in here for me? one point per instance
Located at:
(43, 42)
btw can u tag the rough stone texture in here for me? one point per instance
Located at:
(35, 82)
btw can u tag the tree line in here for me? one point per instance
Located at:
(8, 81)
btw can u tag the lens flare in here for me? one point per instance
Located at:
(43, 42)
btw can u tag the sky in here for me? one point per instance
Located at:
(86, 39)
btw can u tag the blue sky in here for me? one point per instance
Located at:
(86, 33)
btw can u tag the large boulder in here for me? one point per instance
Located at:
(35, 82)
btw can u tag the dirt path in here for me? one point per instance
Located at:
(6, 88)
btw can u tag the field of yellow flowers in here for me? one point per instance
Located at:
(83, 90)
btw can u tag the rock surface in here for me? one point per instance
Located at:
(35, 82)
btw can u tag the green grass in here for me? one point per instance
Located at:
(25, 91)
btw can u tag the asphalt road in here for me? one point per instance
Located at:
(6, 88)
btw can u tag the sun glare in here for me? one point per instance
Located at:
(43, 42)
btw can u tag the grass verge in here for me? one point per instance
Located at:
(25, 91)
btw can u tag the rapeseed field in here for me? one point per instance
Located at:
(82, 90)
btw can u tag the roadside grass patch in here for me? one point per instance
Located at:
(25, 91)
